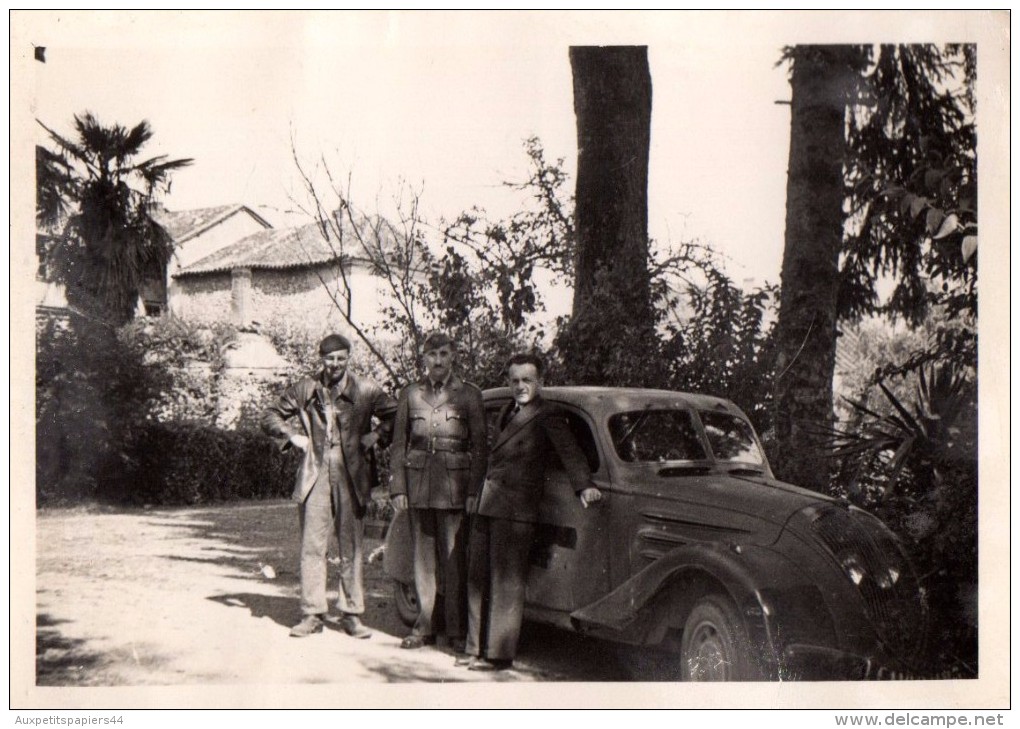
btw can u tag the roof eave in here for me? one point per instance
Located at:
(230, 212)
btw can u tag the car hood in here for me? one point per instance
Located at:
(720, 506)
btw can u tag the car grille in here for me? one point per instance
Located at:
(873, 560)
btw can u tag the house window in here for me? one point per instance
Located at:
(153, 308)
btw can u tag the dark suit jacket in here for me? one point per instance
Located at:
(538, 434)
(442, 475)
(301, 410)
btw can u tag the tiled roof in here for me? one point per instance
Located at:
(275, 248)
(182, 225)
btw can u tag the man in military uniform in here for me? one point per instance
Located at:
(328, 418)
(438, 457)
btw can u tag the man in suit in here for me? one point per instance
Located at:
(329, 418)
(531, 433)
(438, 458)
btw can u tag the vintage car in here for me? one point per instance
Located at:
(697, 549)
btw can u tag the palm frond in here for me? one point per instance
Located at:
(909, 422)
(135, 139)
(856, 405)
(155, 172)
(74, 150)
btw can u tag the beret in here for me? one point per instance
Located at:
(333, 343)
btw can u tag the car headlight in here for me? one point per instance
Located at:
(853, 569)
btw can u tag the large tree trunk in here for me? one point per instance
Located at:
(613, 106)
(806, 329)
(612, 312)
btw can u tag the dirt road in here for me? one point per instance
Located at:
(180, 596)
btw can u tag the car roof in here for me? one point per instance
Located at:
(624, 398)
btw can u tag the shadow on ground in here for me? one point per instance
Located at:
(60, 661)
(280, 609)
(553, 654)
(545, 653)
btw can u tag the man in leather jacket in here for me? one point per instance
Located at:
(438, 458)
(329, 418)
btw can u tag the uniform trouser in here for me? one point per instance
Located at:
(497, 576)
(439, 560)
(331, 506)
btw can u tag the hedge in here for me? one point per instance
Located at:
(191, 463)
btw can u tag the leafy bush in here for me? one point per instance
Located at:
(130, 415)
(89, 389)
(191, 463)
(606, 344)
(916, 468)
(183, 362)
(726, 347)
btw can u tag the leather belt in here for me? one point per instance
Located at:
(439, 443)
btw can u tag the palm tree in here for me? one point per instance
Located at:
(110, 245)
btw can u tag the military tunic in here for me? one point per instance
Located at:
(439, 458)
(439, 444)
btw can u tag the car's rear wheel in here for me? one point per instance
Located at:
(406, 600)
(714, 645)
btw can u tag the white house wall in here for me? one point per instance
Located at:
(204, 299)
(295, 296)
(221, 235)
(371, 294)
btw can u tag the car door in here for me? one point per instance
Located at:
(569, 556)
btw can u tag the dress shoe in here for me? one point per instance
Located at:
(351, 624)
(495, 664)
(310, 624)
(465, 659)
(417, 641)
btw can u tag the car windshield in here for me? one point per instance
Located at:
(656, 436)
(731, 438)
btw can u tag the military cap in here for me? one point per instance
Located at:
(435, 340)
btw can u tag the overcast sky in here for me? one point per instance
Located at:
(443, 100)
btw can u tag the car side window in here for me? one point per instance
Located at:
(585, 439)
(656, 436)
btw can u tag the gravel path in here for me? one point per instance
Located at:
(180, 596)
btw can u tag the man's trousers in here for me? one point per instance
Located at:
(439, 567)
(331, 507)
(498, 552)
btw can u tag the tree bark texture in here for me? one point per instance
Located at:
(613, 107)
(806, 329)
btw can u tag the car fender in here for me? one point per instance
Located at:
(398, 557)
(767, 588)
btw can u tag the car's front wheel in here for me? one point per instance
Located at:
(714, 645)
(406, 600)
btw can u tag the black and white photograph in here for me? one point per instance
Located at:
(505, 359)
